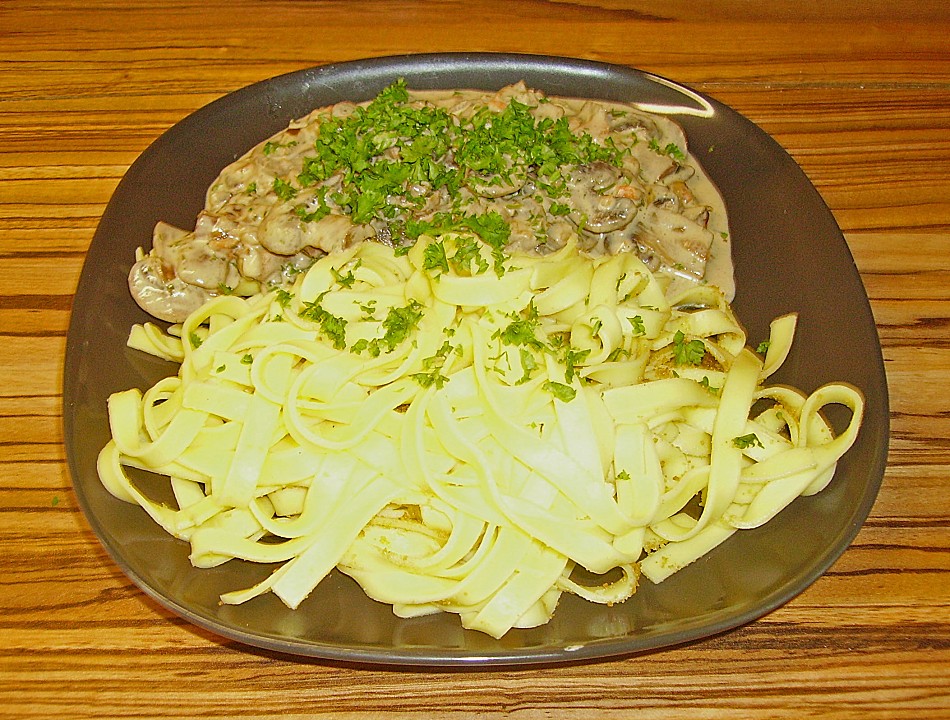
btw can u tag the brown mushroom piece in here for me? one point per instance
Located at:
(205, 264)
(591, 209)
(180, 273)
(159, 292)
(283, 232)
(675, 242)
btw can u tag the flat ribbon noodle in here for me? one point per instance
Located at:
(466, 442)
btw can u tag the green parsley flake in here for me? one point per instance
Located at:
(283, 297)
(521, 331)
(368, 309)
(435, 364)
(638, 327)
(434, 257)
(398, 325)
(284, 190)
(562, 392)
(572, 358)
(705, 383)
(346, 280)
(687, 353)
(746, 441)
(332, 326)
(467, 259)
(400, 322)
(671, 149)
(528, 365)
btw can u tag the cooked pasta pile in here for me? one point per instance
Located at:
(461, 441)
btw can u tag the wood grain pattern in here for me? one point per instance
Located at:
(858, 91)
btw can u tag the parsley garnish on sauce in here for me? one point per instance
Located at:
(388, 157)
(283, 189)
(671, 149)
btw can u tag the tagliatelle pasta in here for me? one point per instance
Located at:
(461, 442)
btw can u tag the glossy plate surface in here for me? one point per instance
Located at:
(789, 256)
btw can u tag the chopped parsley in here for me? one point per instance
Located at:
(283, 297)
(388, 157)
(528, 365)
(572, 358)
(332, 326)
(270, 146)
(345, 280)
(705, 383)
(283, 189)
(687, 353)
(309, 216)
(398, 324)
(638, 327)
(746, 441)
(562, 392)
(491, 228)
(368, 309)
(467, 260)
(671, 149)
(522, 331)
(434, 365)
(434, 257)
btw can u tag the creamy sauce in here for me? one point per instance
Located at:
(267, 215)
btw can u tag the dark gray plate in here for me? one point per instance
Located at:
(789, 256)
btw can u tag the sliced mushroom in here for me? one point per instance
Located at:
(558, 234)
(678, 243)
(683, 193)
(203, 262)
(257, 263)
(159, 292)
(284, 233)
(591, 208)
(676, 172)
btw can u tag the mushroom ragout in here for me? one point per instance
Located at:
(516, 169)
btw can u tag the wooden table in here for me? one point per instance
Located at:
(858, 91)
